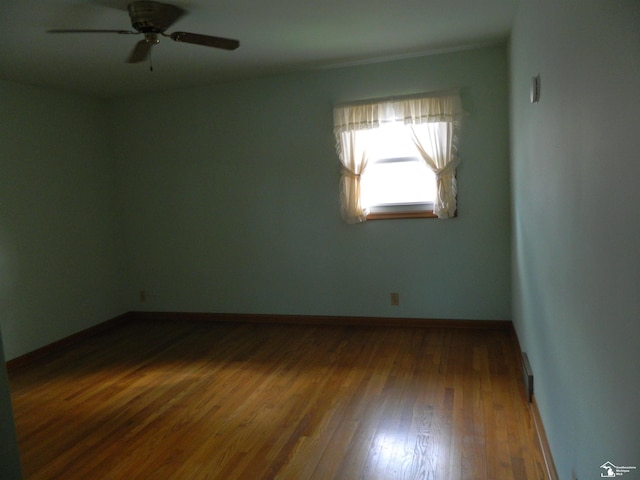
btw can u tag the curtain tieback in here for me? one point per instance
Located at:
(347, 172)
(449, 168)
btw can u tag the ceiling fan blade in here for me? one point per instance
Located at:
(122, 32)
(167, 15)
(140, 52)
(206, 40)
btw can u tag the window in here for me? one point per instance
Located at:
(398, 156)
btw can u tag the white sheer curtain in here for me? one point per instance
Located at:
(354, 163)
(435, 142)
(440, 110)
(348, 122)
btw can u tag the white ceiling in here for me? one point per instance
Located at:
(275, 36)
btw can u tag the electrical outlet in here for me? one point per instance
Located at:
(143, 296)
(395, 299)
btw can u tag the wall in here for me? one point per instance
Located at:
(9, 456)
(230, 199)
(60, 267)
(576, 232)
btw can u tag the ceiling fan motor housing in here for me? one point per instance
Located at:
(144, 16)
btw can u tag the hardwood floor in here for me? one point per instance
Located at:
(196, 400)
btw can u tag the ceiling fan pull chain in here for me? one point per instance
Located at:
(150, 61)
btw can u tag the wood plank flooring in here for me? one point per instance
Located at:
(197, 400)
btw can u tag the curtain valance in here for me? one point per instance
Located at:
(411, 110)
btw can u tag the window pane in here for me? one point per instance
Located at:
(388, 141)
(396, 173)
(398, 183)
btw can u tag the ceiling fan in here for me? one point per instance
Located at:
(152, 19)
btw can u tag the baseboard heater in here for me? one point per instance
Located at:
(527, 377)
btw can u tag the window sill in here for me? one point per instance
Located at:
(407, 210)
(399, 215)
(404, 210)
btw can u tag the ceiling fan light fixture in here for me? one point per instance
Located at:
(151, 37)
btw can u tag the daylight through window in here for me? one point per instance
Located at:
(395, 175)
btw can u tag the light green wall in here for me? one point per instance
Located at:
(225, 199)
(576, 230)
(60, 267)
(230, 199)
